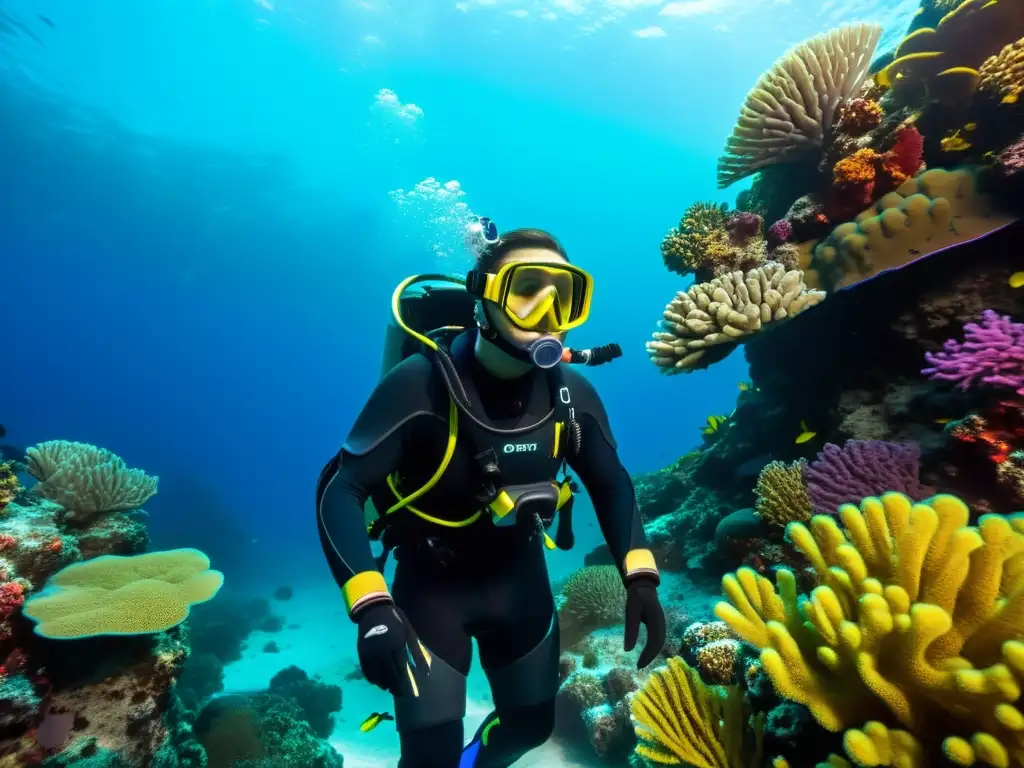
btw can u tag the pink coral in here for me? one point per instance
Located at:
(780, 232)
(7, 542)
(12, 596)
(992, 352)
(742, 226)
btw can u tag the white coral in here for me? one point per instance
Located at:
(87, 480)
(727, 310)
(790, 109)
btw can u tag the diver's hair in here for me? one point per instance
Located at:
(513, 241)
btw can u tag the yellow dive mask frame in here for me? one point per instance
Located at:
(551, 297)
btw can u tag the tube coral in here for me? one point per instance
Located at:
(916, 623)
(992, 352)
(863, 468)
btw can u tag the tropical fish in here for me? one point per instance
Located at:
(805, 434)
(714, 424)
(942, 421)
(374, 720)
(1017, 280)
(745, 386)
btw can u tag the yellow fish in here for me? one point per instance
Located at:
(1017, 280)
(374, 720)
(714, 424)
(805, 434)
(943, 421)
(745, 386)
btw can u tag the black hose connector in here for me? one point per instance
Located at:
(595, 355)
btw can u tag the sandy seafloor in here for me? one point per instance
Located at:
(320, 639)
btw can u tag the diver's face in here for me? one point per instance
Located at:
(499, 320)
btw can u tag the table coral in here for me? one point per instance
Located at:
(943, 61)
(992, 353)
(791, 108)
(725, 311)
(1001, 77)
(862, 468)
(932, 211)
(916, 624)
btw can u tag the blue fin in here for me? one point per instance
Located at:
(469, 755)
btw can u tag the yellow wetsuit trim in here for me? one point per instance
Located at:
(363, 588)
(558, 439)
(449, 451)
(639, 561)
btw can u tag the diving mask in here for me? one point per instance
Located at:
(543, 297)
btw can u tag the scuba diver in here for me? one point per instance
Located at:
(464, 449)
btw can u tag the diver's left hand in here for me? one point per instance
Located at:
(643, 607)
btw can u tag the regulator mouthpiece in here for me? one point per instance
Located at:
(546, 352)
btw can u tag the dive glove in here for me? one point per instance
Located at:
(643, 607)
(390, 653)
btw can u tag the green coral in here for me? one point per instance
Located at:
(115, 595)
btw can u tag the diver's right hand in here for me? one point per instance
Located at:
(390, 653)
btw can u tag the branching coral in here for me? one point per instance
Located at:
(862, 468)
(725, 311)
(710, 241)
(917, 622)
(781, 494)
(943, 62)
(790, 109)
(679, 720)
(1001, 77)
(87, 480)
(930, 212)
(992, 353)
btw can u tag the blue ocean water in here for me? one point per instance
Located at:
(205, 206)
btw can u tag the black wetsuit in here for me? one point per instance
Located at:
(478, 581)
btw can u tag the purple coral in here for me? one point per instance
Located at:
(992, 351)
(780, 232)
(742, 226)
(863, 468)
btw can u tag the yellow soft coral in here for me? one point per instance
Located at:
(699, 238)
(919, 619)
(680, 721)
(781, 494)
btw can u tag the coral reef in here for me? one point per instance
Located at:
(268, 729)
(710, 242)
(681, 720)
(86, 480)
(992, 353)
(781, 494)
(1001, 76)
(788, 113)
(862, 468)
(710, 319)
(593, 597)
(115, 595)
(915, 624)
(943, 62)
(908, 224)
(318, 700)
